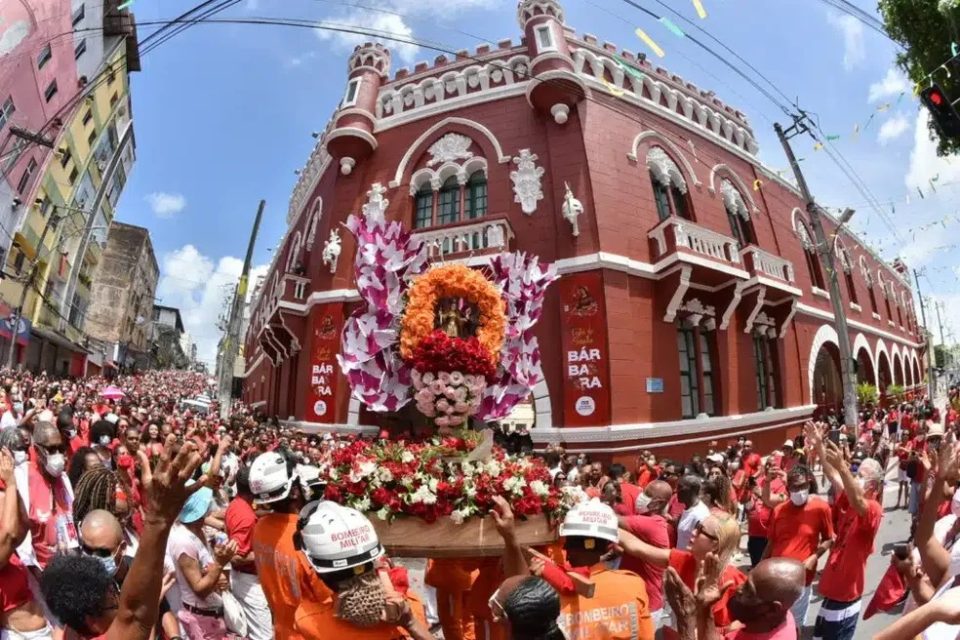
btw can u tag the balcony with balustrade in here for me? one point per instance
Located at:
(769, 268)
(713, 256)
(469, 239)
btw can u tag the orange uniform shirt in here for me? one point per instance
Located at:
(618, 610)
(286, 577)
(317, 621)
(795, 532)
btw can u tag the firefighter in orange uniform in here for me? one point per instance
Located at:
(362, 603)
(619, 608)
(453, 578)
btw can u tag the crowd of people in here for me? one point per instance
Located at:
(144, 516)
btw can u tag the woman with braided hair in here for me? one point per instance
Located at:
(102, 488)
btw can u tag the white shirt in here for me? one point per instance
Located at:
(687, 525)
(8, 420)
(183, 542)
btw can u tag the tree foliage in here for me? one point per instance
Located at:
(926, 29)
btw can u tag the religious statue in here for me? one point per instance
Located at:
(331, 250)
(450, 318)
(571, 209)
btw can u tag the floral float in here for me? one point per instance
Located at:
(456, 341)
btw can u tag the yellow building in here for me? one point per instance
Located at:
(71, 211)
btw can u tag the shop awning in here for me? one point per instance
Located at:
(58, 339)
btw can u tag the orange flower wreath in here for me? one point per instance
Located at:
(450, 281)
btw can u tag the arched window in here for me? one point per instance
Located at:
(448, 209)
(670, 192)
(476, 195)
(738, 215)
(847, 266)
(810, 255)
(293, 258)
(423, 207)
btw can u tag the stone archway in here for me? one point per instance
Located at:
(865, 371)
(884, 377)
(897, 370)
(827, 389)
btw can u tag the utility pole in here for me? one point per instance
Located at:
(940, 323)
(27, 285)
(825, 250)
(231, 341)
(927, 336)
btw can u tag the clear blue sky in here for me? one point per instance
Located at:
(223, 115)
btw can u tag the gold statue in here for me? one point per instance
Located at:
(451, 322)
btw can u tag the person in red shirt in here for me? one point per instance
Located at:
(240, 520)
(904, 447)
(842, 581)
(628, 492)
(651, 527)
(801, 529)
(751, 460)
(714, 535)
(770, 491)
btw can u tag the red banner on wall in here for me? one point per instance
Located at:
(586, 365)
(324, 370)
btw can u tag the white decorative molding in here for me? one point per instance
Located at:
(738, 290)
(308, 178)
(651, 92)
(733, 200)
(449, 148)
(824, 335)
(677, 299)
(375, 209)
(694, 305)
(482, 235)
(789, 318)
(726, 173)
(436, 178)
(761, 296)
(817, 291)
(571, 210)
(664, 170)
(667, 431)
(855, 306)
(527, 190)
(529, 9)
(314, 222)
(331, 250)
(428, 134)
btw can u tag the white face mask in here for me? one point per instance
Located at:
(19, 457)
(643, 501)
(799, 498)
(55, 464)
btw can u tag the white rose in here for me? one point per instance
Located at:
(433, 483)
(384, 474)
(458, 516)
(424, 495)
(406, 457)
(493, 468)
(515, 484)
(383, 514)
(539, 487)
(362, 505)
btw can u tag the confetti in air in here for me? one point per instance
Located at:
(701, 12)
(612, 88)
(671, 27)
(650, 42)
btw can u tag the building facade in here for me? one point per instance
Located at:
(121, 315)
(692, 304)
(63, 192)
(171, 347)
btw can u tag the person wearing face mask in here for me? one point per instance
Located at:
(48, 499)
(801, 528)
(362, 601)
(650, 526)
(842, 581)
(102, 538)
(68, 430)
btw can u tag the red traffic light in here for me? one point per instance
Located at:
(945, 117)
(936, 98)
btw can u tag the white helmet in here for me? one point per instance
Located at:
(334, 537)
(591, 519)
(270, 480)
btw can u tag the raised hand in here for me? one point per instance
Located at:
(709, 589)
(168, 490)
(224, 553)
(6, 470)
(503, 518)
(679, 596)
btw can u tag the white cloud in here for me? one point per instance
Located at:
(166, 205)
(854, 49)
(893, 128)
(198, 285)
(893, 84)
(925, 164)
(393, 17)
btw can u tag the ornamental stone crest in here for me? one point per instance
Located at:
(331, 250)
(665, 170)
(449, 148)
(733, 201)
(526, 181)
(571, 209)
(376, 208)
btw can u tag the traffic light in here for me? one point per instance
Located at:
(944, 115)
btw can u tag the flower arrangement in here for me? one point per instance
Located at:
(420, 322)
(432, 481)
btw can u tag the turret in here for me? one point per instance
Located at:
(351, 140)
(555, 87)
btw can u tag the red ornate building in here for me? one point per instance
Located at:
(692, 305)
